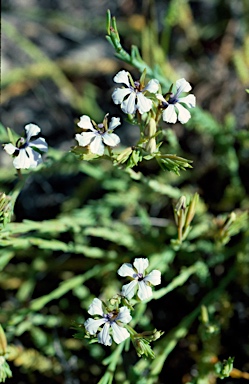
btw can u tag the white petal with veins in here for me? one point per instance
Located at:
(143, 104)
(97, 146)
(183, 113)
(122, 77)
(85, 123)
(169, 114)
(31, 130)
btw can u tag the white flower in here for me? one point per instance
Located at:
(112, 322)
(132, 98)
(26, 152)
(174, 103)
(139, 278)
(98, 136)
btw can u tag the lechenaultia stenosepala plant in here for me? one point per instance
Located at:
(146, 106)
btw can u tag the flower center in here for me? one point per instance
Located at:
(137, 86)
(21, 143)
(101, 128)
(173, 99)
(111, 316)
(140, 276)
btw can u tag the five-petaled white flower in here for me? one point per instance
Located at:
(174, 103)
(132, 98)
(112, 321)
(26, 152)
(139, 277)
(100, 134)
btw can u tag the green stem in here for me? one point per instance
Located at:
(112, 360)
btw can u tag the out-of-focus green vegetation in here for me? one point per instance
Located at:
(52, 268)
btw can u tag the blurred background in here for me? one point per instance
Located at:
(56, 65)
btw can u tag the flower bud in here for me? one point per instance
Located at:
(191, 209)
(179, 211)
(124, 155)
(152, 335)
(3, 342)
(143, 348)
(151, 132)
(5, 208)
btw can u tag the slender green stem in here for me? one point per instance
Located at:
(112, 362)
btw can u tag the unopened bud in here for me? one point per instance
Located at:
(191, 209)
(224, 368)
(142, 77)
(143, 348)
(231, 218)
(5, 208)
(150, 129)
(150, 132)
(204, 314)
(152, 335)
(124, 155)
(3, 342)
(179, 211)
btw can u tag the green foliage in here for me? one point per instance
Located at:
(5, 370)
(223, 369)
(52, 269)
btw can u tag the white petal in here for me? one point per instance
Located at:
(97, 146)
(183, 113)
(92, 325)
(154, 277)
(40, 144)
(143, 104)
(122, 77)
(85, 123)
(96, 307)
(31, 130)
(114, 123)
(119, 94)
(128, 106)
(111, 139)
(85, 138)
(119, 334)
(169, 114)
(141, 265)
(128, 290)
(124, 315)
(34, 157)
(160, 97)
(10, 148)
(182, 86)
(188, 100)
(152, 86)
(103, 336)
(144, 291)
(22, 161)
(126, 270)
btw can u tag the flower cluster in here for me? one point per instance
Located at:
(135, 98)
(116, 318)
